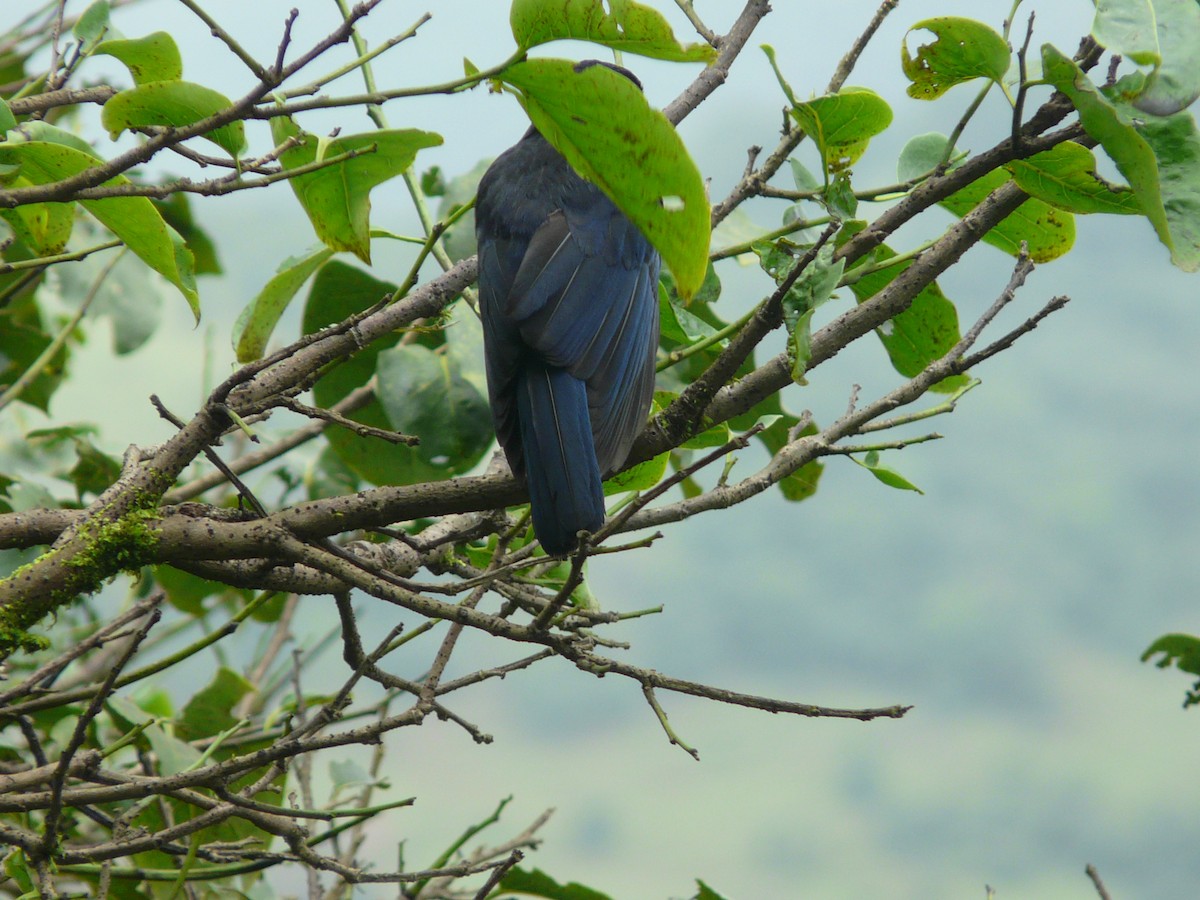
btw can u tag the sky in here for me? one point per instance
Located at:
(1009, 603)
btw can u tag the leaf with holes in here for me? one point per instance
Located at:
(621, 25)
(609, 133)
(962, 50)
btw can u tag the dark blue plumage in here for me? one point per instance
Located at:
(568, 291)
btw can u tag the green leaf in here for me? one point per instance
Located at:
(1176, 146)
(17, 868)
(173, 104)
(210, 711)
(177, 212)
(963, 50)
(890, 477)
(1065, 177)
(1049, 232)
(1162, 34)
(22, 341)
(921, 155)
(842, 124)
(124, 291)
(783, 82)
(44, 227)
(270, 610)
(7, 119)
(174, 756)
(258, 320)
(41, 131)
(1182, 651)
(433, 182)
(536, 883)
(1131, 152)
(641, 477)
(677, 324)
(425, 393)
(803, 179)
(459, 238)
(155, 700)
(92, 25)
(154, 57)
(602, 124)
(737, 229)
(94, 470)
(1128, 27)
(923, 333)
(337, 197)
(132, 219)
(622, 25)
(1174, 85)
(184, 591)
(814, 287)
(802, 483)
(839, 198)
(329, 476)
(126, 713)
(681, 325)
(339, 291)
(705, 892)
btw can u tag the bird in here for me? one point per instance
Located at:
(568, 297)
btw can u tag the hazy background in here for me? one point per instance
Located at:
(1056, 538)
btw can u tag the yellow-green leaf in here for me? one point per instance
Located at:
(337, 197)
(134, 220)
(842, 124)
(1049, 232)
(1116, 133)
(258, 319)
(173, 104)
(1065, 177)
(963, 50)
(44, 227)
(154, 57)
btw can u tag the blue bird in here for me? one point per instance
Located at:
(568, 294)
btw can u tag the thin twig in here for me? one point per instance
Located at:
(1099, 885)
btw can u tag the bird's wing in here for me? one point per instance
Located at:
(585, 298)
(499, 259)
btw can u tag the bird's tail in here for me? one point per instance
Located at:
(560, 457)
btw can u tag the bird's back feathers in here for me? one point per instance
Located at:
(569, 298)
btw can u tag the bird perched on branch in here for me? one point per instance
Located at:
(568, 292)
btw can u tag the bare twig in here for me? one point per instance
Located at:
(1094, 875)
